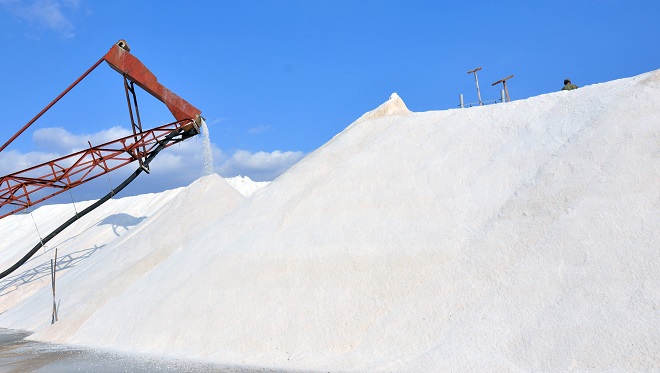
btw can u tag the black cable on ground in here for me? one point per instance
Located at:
(161, 145)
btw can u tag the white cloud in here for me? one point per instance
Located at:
(57, 139)
(12, 161)
(48, 14)
(176, 166)
(259, 166)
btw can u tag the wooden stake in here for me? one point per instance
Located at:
(506, 90)
(476, 80)
(53, 268)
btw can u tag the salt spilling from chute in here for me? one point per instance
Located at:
(208, 151)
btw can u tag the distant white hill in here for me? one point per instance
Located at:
(512, 237)
(245, 185)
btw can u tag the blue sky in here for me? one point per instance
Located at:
(277, 79)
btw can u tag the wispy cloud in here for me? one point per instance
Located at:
(259, 129)
(56, 139)
(53, 15)
(216, 121)
(12, 161)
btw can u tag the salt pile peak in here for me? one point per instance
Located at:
(393, 106)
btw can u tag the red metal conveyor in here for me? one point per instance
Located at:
(36, 184)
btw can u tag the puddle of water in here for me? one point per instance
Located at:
(19, 355)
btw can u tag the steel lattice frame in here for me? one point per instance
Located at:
(54, 177)
(28, 187)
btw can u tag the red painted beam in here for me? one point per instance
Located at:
(126, 64)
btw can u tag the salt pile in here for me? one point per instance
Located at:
(123, 261)
(516, 237)
(89, 236)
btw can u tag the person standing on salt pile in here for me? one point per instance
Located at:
(568, 86)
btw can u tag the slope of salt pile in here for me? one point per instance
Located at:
(85, 238)
(125, 260)
(516, 237)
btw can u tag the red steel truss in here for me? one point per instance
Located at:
(26, 188)
(54, 177)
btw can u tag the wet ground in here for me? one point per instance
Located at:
(20, 355)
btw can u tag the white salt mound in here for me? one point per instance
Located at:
(513, 237)
(94, 283)
(87, 237)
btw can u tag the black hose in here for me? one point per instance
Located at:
(161, 145)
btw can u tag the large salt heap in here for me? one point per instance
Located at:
(516, 237)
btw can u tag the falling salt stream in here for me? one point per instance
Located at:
(207, 153)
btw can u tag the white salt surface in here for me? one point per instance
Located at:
(126, 259)
(515, 237)
(87, 237)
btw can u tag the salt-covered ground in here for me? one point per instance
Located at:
(515, 237)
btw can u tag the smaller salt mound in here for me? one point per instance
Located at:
(393, 106)
(84, 239)
(111, 273)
